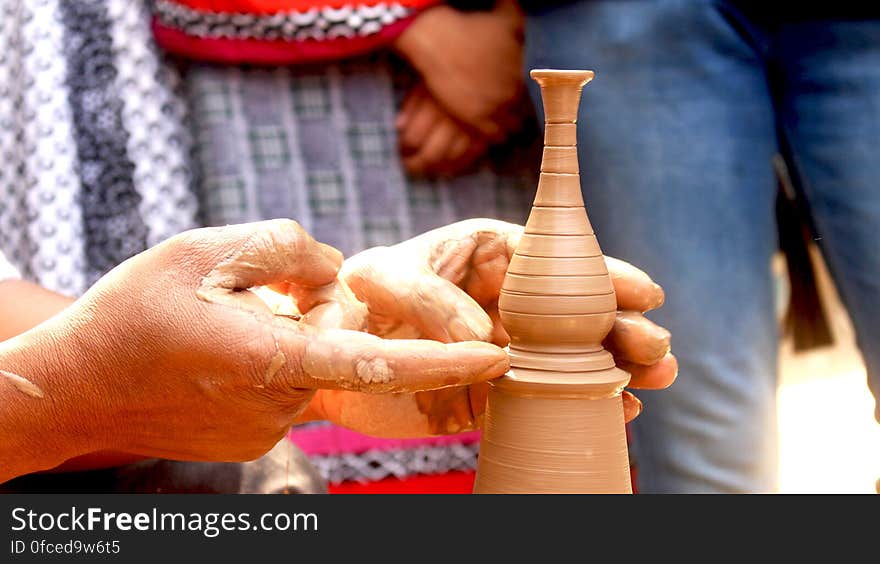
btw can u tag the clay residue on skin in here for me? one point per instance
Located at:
(451, 258)
(333, 306)
(220, 284)
(324, 360)
(23, 385)
(373, 371)
(274, 366)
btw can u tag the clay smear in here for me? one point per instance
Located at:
(274, 366)
(373, 371)
(23, 385)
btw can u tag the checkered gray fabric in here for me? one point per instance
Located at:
(318, 144)
(92, 140)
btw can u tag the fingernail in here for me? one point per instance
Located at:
(499, 368)
(632, 408)
(674, 360)
(664, 336)
(659, 296)
(497, 360)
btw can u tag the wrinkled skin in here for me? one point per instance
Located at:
(169, 355)
(444, 285)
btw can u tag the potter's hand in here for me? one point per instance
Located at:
(471, 63)
(169, 355)
(444, 285)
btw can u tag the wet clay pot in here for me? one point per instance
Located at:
(554, 423)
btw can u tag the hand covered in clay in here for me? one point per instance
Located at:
(444, 285)
(471, 63)
(169, 355)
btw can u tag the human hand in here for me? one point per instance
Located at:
(431, 141)
(471, 62)
(169, 355)
(444, 285)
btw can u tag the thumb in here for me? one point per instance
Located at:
(268, 252)
(397, 288)
(340, 359)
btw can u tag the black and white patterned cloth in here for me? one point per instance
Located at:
(319, 24)
(95, 154)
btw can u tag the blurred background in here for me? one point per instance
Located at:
(828, 439)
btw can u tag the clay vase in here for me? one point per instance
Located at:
(554, 423)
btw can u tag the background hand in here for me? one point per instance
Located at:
(431, 141)
(471, 63)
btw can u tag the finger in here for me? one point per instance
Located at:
(416, 296)
(634, 288)
(420, 122)
(278, 303)
(360, 362)
(653, 377)
(473, 254)
(635, 338)
(331, 306)
(451, 162)
(430, 157)
(413, 100)
(489, 263)
(433, 241)
(457, 146)
(465, 152)
(268, 252)
(499, 334)
(632, 406)
(478, 394)
(447, 411)
(488, 127)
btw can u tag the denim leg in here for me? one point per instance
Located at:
(676, 137)
(830, 114)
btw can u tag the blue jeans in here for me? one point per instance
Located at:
(676, 136)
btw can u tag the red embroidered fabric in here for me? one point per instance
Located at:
(279, 31)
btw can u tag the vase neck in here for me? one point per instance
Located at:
(561, 93)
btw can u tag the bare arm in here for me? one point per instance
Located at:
(24, 305)
(170, 356)
(39, 430)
